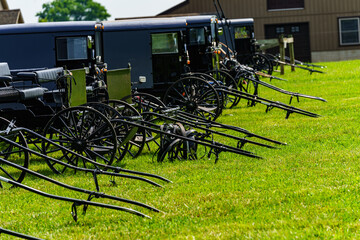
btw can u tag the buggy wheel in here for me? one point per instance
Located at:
(170, 146)
(226, 79)
(261, 63)
(83, 130)
(144, 102)
(169, 151)
(136, 137)
(178, 149)
(12, 153)
(196, 96)
(245, 83)
(122, 130)
(216, 84)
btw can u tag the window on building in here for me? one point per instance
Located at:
(164, 43)
(295, 29)
(280, 30)
(71, 48)
(284, 4)
(349, 31)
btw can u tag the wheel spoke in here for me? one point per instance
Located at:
(66, 127)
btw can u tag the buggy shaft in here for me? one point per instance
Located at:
(92, 193)
(94, 171)
(73, 200)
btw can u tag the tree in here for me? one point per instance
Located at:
(72, 10)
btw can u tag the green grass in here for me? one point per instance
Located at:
(307, 189)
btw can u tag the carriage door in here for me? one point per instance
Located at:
(167, 62)
(300, 32)
(243, 37)
(200, 60)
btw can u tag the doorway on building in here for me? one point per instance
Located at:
(300, 32)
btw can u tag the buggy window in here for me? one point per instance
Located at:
(197, 36)
(242, 32)
(98, 46)
(71, 48)
(164, 43)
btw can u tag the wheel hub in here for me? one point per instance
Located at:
(191, 106)
(79, 145)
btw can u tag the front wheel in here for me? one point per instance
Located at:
(225, 79)
(196, 96)
(12, 153)
(83, 130)
(261, 63)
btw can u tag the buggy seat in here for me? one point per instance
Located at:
(49, 75)
(41, 76)
(10, 94)
(5, 75)
(4, 69)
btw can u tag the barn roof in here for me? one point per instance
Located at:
(11, 16)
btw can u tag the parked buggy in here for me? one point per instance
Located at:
(91, 136)
(57, 111)
(209, 76)
(45, 104)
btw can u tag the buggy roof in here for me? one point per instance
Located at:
(239, 21)
(198, 20)
(144, 24)
(47, 27)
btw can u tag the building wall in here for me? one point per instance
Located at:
(322, 16)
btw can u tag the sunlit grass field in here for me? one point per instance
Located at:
(306, 189)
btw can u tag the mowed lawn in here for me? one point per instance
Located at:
(307, 189)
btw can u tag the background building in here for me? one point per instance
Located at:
(8, 16)
(324, 30)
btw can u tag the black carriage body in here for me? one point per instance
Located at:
(38, 49)
(151, 46)
(39, 45)
(239, 36)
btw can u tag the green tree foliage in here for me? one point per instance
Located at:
(72, 10)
